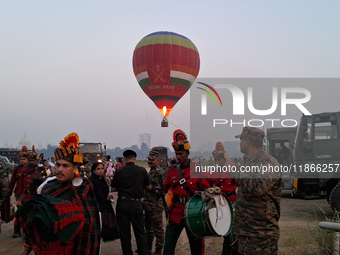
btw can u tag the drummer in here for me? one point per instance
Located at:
(226, 183)
(182, 186)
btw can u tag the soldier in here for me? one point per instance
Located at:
(257, 209)
(14, 185)
(4, 199)
(153, 206)
(183, 186)
(227, 185)
(86, 167)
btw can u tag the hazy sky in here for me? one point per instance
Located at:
(66, 66)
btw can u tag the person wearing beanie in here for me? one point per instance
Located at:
(67, 189)
(181, 189)
(257, 207)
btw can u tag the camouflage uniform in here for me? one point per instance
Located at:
(4, 198)
(86, 169)
(4, 182)
(153, 206)
(257, 209)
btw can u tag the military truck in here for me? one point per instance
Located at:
(279, 144)
(96, 151)
(316, 157)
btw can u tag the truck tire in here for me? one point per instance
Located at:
(334, 197)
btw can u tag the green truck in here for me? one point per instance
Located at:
(96, 151)
(314, 156)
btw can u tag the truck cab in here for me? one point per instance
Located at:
(96, 151)
(316, 157)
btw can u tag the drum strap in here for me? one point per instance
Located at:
(183, 181)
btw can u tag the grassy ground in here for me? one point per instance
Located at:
(143, 163)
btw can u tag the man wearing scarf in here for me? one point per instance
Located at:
(76, 191)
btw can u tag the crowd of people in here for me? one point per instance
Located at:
(75, 198)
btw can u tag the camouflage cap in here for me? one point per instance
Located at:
(153, 155)
(252, 133)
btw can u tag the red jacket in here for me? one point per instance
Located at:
(180, 194)
(14, 185)
(30, 179)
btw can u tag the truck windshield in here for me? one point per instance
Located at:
(90, 148)
(5, 159)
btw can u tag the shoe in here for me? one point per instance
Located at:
(136, 251)
(15, 235)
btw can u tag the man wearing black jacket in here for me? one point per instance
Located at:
(130, 181)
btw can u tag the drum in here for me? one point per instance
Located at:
(216, 221)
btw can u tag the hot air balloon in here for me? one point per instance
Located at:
(165, 64)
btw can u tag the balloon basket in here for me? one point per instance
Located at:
(164, 122)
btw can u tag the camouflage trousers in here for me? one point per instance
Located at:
(3, 187)
(154, 228)
(257, 246)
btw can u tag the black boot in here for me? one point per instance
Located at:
(16, 234)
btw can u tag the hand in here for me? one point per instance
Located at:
(109, 197)
(24, 252)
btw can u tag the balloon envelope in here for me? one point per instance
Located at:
(165, 64)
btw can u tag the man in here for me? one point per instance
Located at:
(130, 181)
(4, 199)
(183, 186)
(46, 171)
(86, 167)
(227, 185)
(257, 209)
(30, 178)
(153, 206)
(284, 154)
(14, 185)
(77, 192)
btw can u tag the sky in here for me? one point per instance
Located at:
(66, 66)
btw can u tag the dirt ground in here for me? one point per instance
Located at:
(297, 217)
